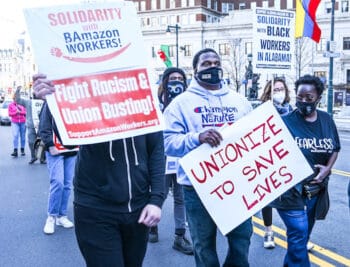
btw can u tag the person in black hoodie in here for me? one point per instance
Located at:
(118, 194)
(60, 164)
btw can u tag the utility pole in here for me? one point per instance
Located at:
(330, 80)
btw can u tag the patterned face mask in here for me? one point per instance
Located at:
(174, 88)
(306, 108)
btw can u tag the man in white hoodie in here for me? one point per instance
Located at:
(194, 118)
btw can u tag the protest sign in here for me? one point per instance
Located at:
(273, 40)
(256, 162)
(95, 55)
(171, 165)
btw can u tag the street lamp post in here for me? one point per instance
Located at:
(168, 30)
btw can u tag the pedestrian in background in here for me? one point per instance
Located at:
(279, 93)
(186, 118)
(316, 135)
(173, 84)
(118, 194)
(31, 127)
(60, 164)
(17, 113)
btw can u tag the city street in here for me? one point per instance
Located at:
(24, 193)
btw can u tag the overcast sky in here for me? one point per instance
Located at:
(12, 19)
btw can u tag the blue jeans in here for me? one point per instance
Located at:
(203, 233)
(18, 132)
(299, 224)
(61, 172)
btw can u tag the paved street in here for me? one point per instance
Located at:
(24, 192)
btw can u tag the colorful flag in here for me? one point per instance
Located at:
(305, 22)
(163, 53)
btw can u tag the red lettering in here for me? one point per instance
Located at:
(224, 163)
(204, 178)
(248, 170)
(272, 126)
(251, 140)
(227, 187)
(281, 153)
(288, 174)
(251, 205)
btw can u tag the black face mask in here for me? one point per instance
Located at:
(306, 108)
(211, 76)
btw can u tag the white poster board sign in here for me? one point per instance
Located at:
(256, 162)
(273, 41)
(95, 55)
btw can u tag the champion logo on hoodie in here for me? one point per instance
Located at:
(216, 116)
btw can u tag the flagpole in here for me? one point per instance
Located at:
(330, 79)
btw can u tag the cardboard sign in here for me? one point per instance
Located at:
(256, 162)
(273, 39)
(94, 54)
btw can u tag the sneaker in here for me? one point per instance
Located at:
(63, 221)
(32, 160)
(269, 241)
(153, 235)
(309, 246)
(49, 227)
(182, 244)
(14, 153)
(22, 152)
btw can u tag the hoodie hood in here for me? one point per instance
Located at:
(199, 90)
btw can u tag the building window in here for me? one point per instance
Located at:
(154, 4)
(162, 5)
(163, 20)
(154, 21)
(348, 76)
(172, 4)
(224, 49)
(184, 19)
(187, 49)
(328, 6)
(248, 48)
(143, 6)
(226, 7)
(192, 18)
(173, 20)
(346, 43)
(172, 50)
(321, 46)
(191, 3)
(183, 3)
(215, 5)
(241, 5)
(345, 6)
(208, 3)
(144, 22)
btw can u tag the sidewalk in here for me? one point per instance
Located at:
(343, 123)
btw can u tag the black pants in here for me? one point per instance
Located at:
(110, 240)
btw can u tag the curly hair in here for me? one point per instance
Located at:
(266, 95)
(312, 80)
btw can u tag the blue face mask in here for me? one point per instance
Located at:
(211, 76)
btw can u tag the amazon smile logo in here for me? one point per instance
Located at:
(57, 52)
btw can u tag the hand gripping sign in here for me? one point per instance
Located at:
(256, 162)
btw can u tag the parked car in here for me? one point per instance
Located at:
(4, 114)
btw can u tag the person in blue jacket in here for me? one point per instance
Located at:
(118, 194)
(316, 135)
